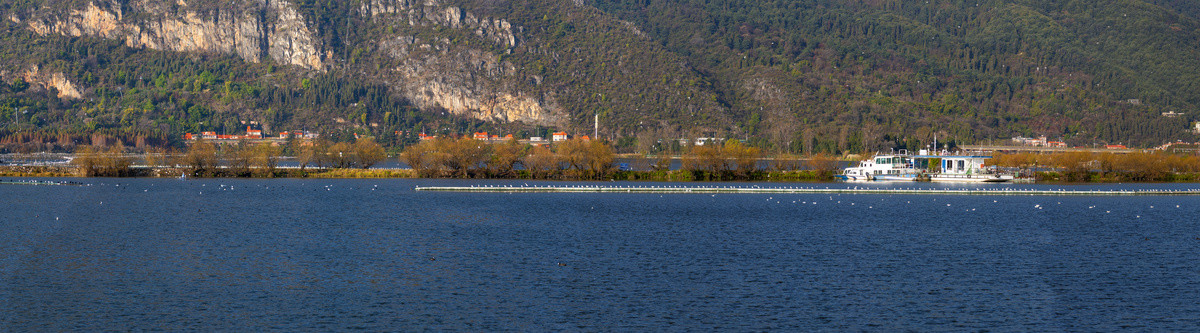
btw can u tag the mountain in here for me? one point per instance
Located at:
(795, 75)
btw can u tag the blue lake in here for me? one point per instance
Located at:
(322, 255)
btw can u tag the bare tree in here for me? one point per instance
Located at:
(109, 163)
(870, 137)
(807, 137)
(240, 158)
(464, 155)
(541, 161)
(822, 164)
(341, 155)
(645, 141)
(600, 159)
(201, 158)
(266, 159)
(368, 153)
(574, 153)
(505, 157)
(420, 157)
(746, 157)
(313, 153)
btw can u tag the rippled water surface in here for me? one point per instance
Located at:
(321, 255)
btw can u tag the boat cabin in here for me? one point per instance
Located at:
(888, 165)
(897, 167)
(962, 165)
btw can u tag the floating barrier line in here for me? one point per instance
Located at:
(718, 190)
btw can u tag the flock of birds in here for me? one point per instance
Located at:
(834, 197)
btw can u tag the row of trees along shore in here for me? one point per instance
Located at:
(244, 159)
(1104, 167)
(595, 160)
(588, 160)
(460, 158)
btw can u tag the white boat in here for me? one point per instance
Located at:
(905, 167)
(891, 167)
(965, 169)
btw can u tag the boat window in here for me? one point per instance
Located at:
(960, 164)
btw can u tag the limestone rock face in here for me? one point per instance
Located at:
(290, 40)
(433, 12)
(285, 38)
(440, 80)
(432, 72)
(55, 80)
(465, 80)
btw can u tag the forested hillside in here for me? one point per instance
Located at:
(789, 75)
(972, 69)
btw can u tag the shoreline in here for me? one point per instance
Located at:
(792, 190)
(681, 176)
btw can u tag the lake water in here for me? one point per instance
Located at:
(324, 255)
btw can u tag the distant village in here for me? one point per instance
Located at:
(251, 134)
(1042, 141)
(485, 136)
(258, 134)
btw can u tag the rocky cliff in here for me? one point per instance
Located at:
(467, 80)
(56, 80)
(285, 38)
(432, 73)
(372, 63)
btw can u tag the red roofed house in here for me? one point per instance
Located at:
(560, 136)
(423, 137)
(1115, 147)
(585, 138)
(208, 135)
(253, 133)
(481, 135)
(188, 136)
(1058, 144)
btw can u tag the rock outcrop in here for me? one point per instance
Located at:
(433, 12)
(286, 38)
(55, 80)
(464, 81)
(463, 78)
(437, 73)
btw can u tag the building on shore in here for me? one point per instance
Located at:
(251, 134)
